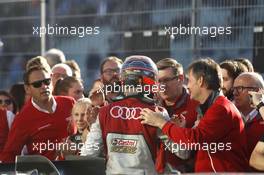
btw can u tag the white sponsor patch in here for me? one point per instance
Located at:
(120, 145)
(124, 142)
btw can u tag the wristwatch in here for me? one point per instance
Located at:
(260, 105)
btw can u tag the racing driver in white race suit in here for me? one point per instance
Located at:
(129, 146)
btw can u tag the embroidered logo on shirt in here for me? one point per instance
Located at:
(45, 126)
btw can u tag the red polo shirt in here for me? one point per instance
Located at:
(38, 130)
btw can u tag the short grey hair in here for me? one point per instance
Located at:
(64, 66)
(54, 56)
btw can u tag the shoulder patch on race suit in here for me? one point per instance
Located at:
(125, 113)
(128, 154)
(121, 145)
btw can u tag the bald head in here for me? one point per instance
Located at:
(251, 79)
(245, 82)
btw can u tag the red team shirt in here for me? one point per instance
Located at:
(187, 107)
(39, 131)
(254, 131)
(222, 123)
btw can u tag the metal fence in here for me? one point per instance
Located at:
(127, 27)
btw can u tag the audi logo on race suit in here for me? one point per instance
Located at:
(125, 113)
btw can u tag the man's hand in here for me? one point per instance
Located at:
(179, 120)
(153, 118)
(256, 97)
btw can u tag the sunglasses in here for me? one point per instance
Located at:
(6, 102)
(38, 84)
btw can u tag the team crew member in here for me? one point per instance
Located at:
(253, 121)
(257, 156)
(175, 97)
(42, 122)
(110, 76)
(130, 147)
(219, 138)
(6, 119)
(177, 101)
(230, 70)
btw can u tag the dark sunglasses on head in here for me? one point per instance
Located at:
(38, 84)
(6, 102)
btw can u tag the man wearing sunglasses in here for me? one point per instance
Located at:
(43, 122)
(245, 82)
(177, 102)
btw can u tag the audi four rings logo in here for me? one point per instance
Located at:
(125, 113)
